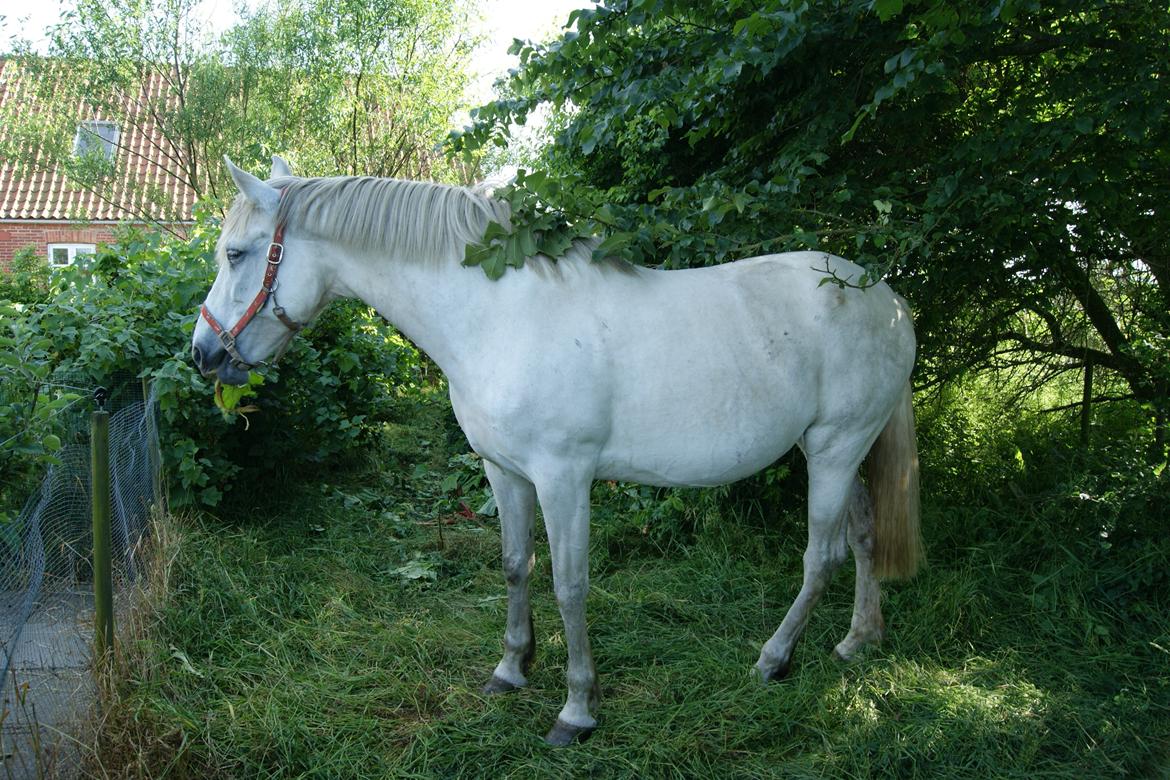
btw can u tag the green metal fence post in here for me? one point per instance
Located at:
(103, 585)
(155, 465)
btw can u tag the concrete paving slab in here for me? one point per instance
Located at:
(49, 691)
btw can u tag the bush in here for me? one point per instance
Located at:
(1021, 462)
(27, 280)
(133, 309)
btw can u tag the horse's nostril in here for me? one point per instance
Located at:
(197, 356)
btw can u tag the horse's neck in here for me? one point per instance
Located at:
(439, 305)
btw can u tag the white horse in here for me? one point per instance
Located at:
(565, 372)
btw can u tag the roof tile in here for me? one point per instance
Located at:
(141, 164)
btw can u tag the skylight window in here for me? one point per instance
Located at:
(96, 138)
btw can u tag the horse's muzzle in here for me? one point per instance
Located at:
(215, 363)
(199, 359)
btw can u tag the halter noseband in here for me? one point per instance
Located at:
(267, 289)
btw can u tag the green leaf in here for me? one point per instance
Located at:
(887, 9)
(418, 569)
(587, 139)
(494, 231)
(527, 243)
(488, 507)
(612, 245)
(493, 264)
(228, 397)
(535, 180)
(554, 243)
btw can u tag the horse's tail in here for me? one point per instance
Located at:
(893, 483)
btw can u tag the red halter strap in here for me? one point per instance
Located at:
(267, 289)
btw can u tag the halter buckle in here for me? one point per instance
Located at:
(275, 253)
(228, 340)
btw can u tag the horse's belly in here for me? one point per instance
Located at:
(673, 470)
(713, 449)
(707, 404)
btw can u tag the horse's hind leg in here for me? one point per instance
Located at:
(516, 499)
(867, 625)
(830, 481)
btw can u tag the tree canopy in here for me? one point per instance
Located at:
(1004, 162)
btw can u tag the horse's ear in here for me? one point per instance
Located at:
(260, 193)
(280, 167)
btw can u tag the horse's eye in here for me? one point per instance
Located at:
(234, 255)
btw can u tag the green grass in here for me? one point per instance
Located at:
(292, 642)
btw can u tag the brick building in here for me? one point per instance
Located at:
(42, 208)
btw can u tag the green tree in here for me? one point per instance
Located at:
(358, 87)
(1004, 162)
(338, 86)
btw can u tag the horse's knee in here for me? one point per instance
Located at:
(517, 569)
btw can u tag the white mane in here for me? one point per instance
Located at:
(411, 219)
(407, 218)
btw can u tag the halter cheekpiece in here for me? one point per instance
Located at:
(227, 337)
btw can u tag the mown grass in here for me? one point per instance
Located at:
(301, 636)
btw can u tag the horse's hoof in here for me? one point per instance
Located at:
(499, 685)
(851, 649)
(847, 656)
(564, 734)
(777, 673)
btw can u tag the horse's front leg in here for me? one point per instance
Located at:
(516, 499)
(565, 501)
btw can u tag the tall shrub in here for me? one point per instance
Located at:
(133, 310)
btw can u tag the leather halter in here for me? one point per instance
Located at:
(227, 337)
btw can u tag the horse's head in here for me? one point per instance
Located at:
(266, 286)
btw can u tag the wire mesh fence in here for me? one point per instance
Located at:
(47, 577)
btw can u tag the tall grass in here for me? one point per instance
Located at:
(342, 625)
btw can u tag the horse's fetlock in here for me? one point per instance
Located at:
(583, 680)
(516, 641)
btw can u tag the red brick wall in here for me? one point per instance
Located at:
(17, 235)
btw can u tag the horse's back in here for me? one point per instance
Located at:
(769, 323)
